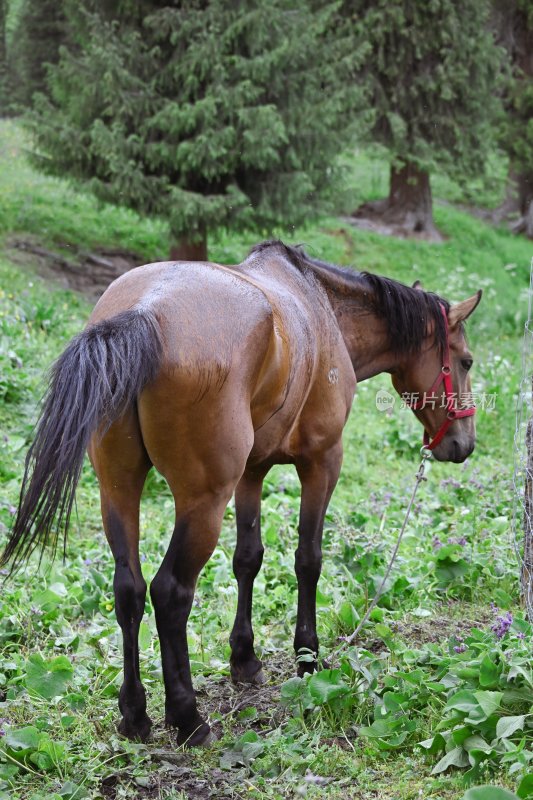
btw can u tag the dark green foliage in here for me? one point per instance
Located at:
(514, 22)
(3, 57)
(433, 78)
(433, 73)
(211, 115)
(39, 32)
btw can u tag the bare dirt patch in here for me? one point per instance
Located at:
(196, 772)
(89, 273)
(365, 221)
(441, 626)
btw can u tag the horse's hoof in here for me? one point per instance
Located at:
(306, 667)
(203, 736)
(243, 675)
(135, 730)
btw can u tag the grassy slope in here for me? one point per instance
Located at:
(53, 614)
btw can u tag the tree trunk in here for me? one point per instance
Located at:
(408, 209)
(186, 249)
(525, 195)
(510, 206)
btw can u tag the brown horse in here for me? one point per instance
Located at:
(212, 374)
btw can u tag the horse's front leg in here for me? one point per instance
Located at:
(247, 560)
(318, 476)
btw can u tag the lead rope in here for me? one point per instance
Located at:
(426, 455)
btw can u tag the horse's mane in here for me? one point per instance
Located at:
(406, 310)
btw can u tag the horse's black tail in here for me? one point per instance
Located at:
(98, 376)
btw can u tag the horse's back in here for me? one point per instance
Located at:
(245, 348)
(223, 371)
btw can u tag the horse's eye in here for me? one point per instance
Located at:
(466, 363)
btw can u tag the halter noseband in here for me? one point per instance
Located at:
(445, 377)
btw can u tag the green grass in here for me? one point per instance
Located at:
(66, 610)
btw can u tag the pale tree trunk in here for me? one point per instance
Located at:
(185, 249)
(408, 209)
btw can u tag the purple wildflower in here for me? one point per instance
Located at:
(502, 625)
(437, 544)
(460, 648)
(12, 510)
(521, 635)
(87, 561)
(462, 541)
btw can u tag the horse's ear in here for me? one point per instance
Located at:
(461, 311)
(417, 285)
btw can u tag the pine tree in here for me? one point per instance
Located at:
(514, 26)
(3, 58)
(432, 71)
(210, 113)
(39, 33)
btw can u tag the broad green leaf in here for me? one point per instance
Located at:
(525, 789)
(71, 791)
(448, 570)
(8, 771)
(56, 750)
(457, 757)
(489, 701)
(508, 725)
(489, 793)
(489, 673)
(396, 701)
(382, 630)
(518, 669)
(23, 738)
(47, 600)
(476, 743)
(47, 678)
(42, 761)
(291, 689)
(246, 738)
(434, 745)
(348, 616)
(462, 701)
(461, 734)
(326, 685)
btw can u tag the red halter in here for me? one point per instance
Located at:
(445, 377)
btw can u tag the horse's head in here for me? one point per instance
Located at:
(436, 384)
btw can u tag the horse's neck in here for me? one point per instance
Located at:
(365, 334)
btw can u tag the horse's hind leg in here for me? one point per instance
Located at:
(172, 590)
(202, 453)
(121, 464)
